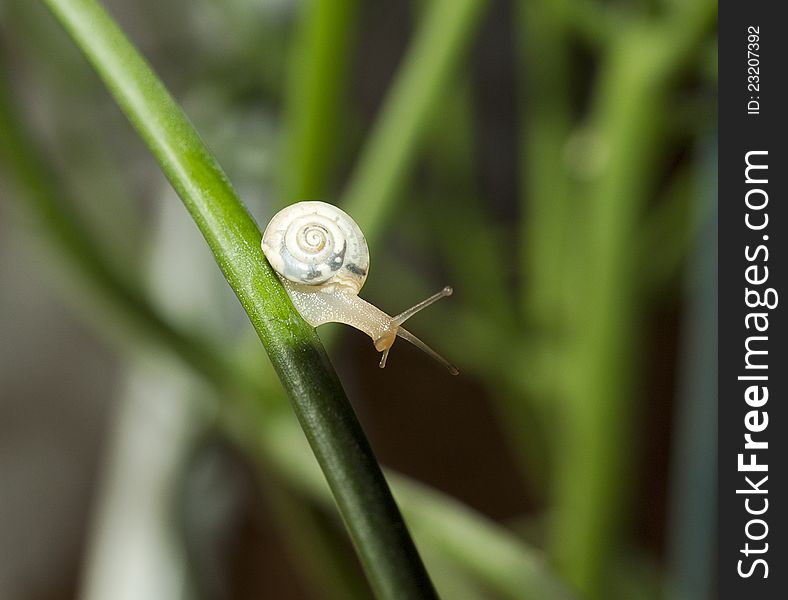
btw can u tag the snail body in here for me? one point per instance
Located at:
(321, 256)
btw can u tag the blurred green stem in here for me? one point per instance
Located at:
(329, 422)
(594, 457)
(545, 191)
(544, 182)
(314, 97)
(444, 33)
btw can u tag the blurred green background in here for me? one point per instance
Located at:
(555, 162)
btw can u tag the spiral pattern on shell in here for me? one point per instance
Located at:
(314, 243)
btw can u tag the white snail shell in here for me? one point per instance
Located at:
(314, 243)
(321, 257)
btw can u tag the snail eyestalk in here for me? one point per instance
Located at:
(384, 357)
(407, 335)
(407, 314)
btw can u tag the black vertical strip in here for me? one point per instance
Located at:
(753, 268)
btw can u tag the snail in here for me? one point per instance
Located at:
(320, 255)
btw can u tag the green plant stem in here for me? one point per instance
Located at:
(314, 98)
(545, 110)
(384, 545)
(544, 61)
(442, 37)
